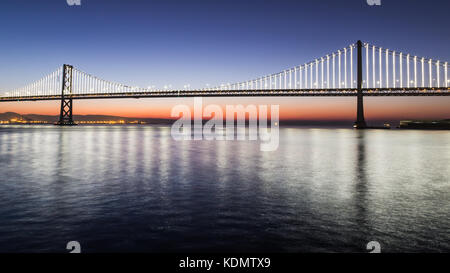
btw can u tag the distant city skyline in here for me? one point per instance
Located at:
(158, 43)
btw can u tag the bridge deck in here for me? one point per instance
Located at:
(445, 91)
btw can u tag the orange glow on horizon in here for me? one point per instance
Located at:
(290, 108)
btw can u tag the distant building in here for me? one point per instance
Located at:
(423, 124)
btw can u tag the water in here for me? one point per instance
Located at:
(134, 189)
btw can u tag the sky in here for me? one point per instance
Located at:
(200, 42)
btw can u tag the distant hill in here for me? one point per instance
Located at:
(52, 119)
(9, 116)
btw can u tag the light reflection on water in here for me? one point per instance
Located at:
(132, 188)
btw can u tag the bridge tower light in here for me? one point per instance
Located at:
(290, 78)
(306, 76)
(366, 46)
(328, 71)
(345, 67)
(49, 85)
(423, 71)
(80, 84)
(334, 70)
(279, 80)
(317, 73)
(351, 66)
(430, 72)
(387, 67)
(437, 74)
(401, 69)
(339, 68)
(295, 77)
(87, 81)
(373, 67)
(321, 67)
(407, 70)
(380, 66)
(44, 86)
(52, 84)
(445, 72)
(415, 71)
(393, 69)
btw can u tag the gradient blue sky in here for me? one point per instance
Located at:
(205, 41)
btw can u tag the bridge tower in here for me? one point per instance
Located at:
(65, 118)
(360, 122)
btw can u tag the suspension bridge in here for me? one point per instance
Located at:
(358, 70)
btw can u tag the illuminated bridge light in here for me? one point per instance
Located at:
(334, 80)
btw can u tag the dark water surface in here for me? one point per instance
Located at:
(134, 189)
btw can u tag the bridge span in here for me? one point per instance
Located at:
(357, 70)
